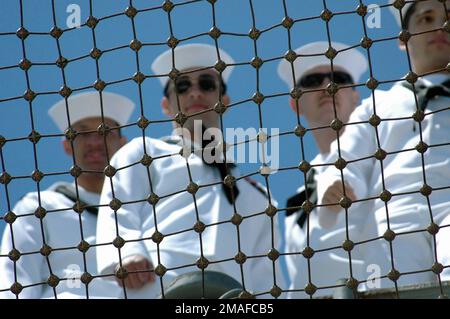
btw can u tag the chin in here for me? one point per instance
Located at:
(439, 66)
(329, 107)
(99, 167)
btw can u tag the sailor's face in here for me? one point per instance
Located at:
(195, 93)
(90, 148)
(429, 51)
(318, 106)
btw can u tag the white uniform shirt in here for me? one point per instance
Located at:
(175, 214)
(402, 170)
(327, 267)
(295, 236)
(61, 229)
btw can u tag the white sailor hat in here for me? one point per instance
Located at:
(396, 13)
(190, 56)
(350, 60)
(85, 105)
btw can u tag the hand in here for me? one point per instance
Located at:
(137, 280)
(334, 193)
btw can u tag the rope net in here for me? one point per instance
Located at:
(89, 63)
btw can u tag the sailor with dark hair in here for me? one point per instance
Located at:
(44, 230)
(313, 72)
(188, 207)
(402, 164)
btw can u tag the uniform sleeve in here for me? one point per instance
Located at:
(30, 268)
(358, 141)
(128, 185)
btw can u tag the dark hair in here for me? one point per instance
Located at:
(223, 87)
(407, 15)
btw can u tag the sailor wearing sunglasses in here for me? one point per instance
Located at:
(404, 160)
(180, 214)
(312, 72)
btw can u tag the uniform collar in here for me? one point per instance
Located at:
(320, 158)
(175, 138)
(433, 79)
(428, 80)
(87, 197)
(188, 144)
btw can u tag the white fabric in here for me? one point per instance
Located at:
(295, 237)
(85, 105)
(353, 61)
(61, 229)
(402, 173)
(396, 13)
(177, 212)
(329, 266)
(190, 56)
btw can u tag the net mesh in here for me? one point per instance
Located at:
(93, 28)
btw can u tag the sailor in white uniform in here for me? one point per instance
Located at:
(177, 213)
(313, 72)
(46, 240)
(408, 172)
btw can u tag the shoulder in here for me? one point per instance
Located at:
(388, 102)
(366, 108)
(135, 149)
(49, 199)
(32, 198)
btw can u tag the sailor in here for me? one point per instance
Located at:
(185, 207)
(48, 243)
(313, 72)
(402, 163)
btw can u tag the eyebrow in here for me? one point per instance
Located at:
(84, 128)
(420, 13)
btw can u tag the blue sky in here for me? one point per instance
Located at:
(152, 27)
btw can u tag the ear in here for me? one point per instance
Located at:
(401, 45)
(123, 141)
(226, 99)
(355, 97)
(293, 105)
(67, 147)
(165, 106)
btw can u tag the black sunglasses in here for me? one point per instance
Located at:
(314, 80)
(206, 83)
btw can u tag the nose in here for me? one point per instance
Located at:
(195, 91)
(94, 139)
(326, 80)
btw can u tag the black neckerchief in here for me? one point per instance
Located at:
(63, 190)
(293, 203)
(426, 93)
(224, 169)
